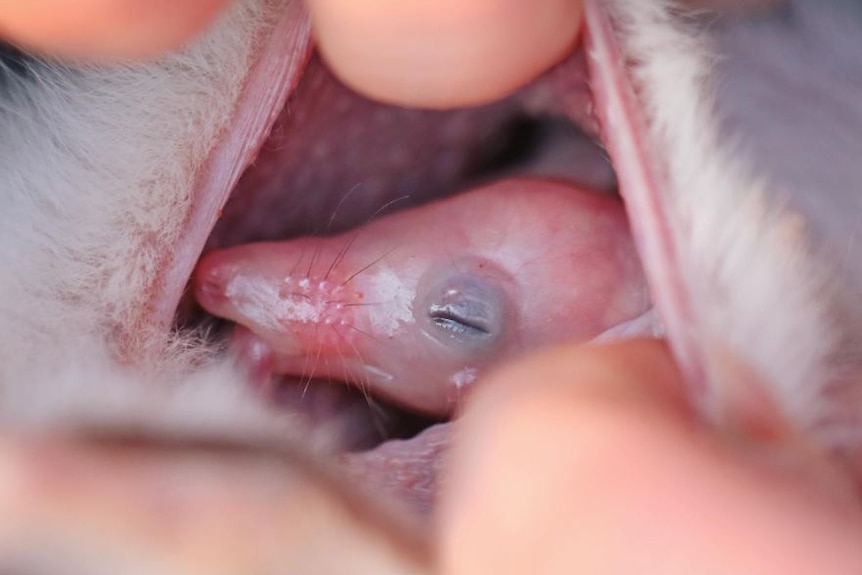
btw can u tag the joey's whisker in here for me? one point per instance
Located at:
(342, 253)
(386, 206)
(313, 370)
(363, 383)
(314, 256)
(295, 265)
(363, 332)
(339, 257)
(378, 417)
(352, 378)
(338, 206)
(367, 267)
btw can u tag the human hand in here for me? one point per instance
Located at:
(430, 53)
(630, 479)
(588, 460)
(445, 53)
(104, 29)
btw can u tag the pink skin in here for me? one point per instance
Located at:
(541, 262)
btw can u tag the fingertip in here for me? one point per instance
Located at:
(443, 53)
(631, 372)
(589, 460)
(525, 443)
(569, 384)
(104, 30)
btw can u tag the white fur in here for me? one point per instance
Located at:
(98, 167)
(92, 394)
(97, 182)
(759, 290)
(97, 171)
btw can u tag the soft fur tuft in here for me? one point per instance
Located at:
(99, 168)
(761, 289)
(98, 175)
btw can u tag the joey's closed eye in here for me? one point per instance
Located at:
(466, 309)
(462, 316)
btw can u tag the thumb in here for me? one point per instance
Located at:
(588, 460)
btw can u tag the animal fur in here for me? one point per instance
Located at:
(98, 166)
(764, 288)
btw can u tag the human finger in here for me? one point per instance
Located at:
(443, 53)
(588, 460)
(104, 30)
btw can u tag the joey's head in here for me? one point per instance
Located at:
(416, 305)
